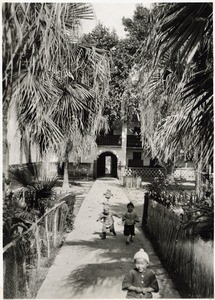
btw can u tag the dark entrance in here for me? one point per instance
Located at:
(107, 165)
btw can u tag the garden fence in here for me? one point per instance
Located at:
(189, 259)
(27, 257)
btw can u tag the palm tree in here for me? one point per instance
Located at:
(32, 34)
(177, 85)
(46, 69)
(78, 109)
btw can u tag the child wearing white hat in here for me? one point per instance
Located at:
(140, 282)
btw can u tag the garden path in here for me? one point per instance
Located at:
(88, 267)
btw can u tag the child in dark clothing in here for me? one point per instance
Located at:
(130, 218)
(140, 282)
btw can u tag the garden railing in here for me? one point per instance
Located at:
(27, 257)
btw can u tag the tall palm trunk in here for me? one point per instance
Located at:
(66, 173)
(199, 168)
(26, 146)
(21, 151)
(170, 168)
(199, 178)
(124, 140)
(124, 149)
(29, 153)
(5, 142)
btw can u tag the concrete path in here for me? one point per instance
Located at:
(88, 267)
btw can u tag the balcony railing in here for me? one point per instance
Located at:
(116, 140)
(107, 140)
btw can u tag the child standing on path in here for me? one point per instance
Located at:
(107, 195)
(106, 217)
(140, 282)
(129, 219)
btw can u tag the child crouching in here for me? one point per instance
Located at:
(140, 282)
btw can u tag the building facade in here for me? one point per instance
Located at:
(117, 154)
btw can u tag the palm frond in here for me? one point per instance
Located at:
(22, 176)
(184, 26)
(56, 81)
(177, 93)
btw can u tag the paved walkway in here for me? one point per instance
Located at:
(88, 267)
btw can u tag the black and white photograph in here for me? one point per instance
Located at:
(107, 150)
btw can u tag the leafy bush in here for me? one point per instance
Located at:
(38, 187)
(165, 184)
(200, 218)
(21, 209)
(16, 219)
(196, 214)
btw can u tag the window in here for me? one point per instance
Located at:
(136, 130)
(137, 155)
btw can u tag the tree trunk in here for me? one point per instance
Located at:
(29, 153)
(5, 145)
(124, 141)
(21, 151)
(124, 149)
(26, 144)
(199, 178)
(66, 174)
(7, 93)
(170, 168)
(199, 174)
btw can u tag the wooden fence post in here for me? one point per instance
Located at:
(55, 227)
(15, 270)
(25, 277)
(145, 209)
(38, 246)
(16, 275)
(47, 236)
(10, 275)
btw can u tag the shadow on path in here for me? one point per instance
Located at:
(105, 275)
(90, 268)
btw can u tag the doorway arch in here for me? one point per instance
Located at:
(107, 165)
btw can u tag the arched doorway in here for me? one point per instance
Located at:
(107, 165)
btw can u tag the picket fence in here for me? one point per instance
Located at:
(188, 258)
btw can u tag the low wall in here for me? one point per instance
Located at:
(189, 259)
(146, 173)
